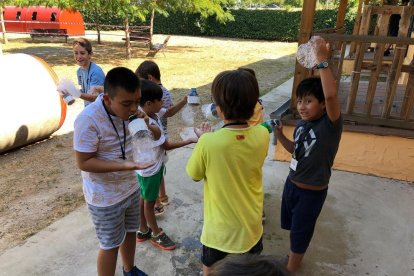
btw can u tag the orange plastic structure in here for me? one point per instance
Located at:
(43, 20)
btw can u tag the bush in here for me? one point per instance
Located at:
(280, 25)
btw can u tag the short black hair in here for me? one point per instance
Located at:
(120, 77)
(251, 71)
(236, 92)
(310, 86)
(150, 91)
(248, 264)
(146, 68)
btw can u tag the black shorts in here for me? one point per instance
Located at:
(211, 255)
(299, 212)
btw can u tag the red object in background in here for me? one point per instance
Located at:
(43, 20)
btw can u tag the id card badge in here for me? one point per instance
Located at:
(293, 164)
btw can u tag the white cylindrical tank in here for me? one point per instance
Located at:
(30, 107)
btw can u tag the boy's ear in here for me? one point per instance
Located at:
(106, 99)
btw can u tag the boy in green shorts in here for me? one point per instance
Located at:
(150, 178)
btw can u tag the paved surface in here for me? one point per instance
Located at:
(365, 228)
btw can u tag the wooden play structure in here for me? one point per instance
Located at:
(374, 90)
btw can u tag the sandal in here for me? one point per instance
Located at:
(164, 200)
(159, 210)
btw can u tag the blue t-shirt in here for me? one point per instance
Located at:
(315, 146)
(93, 76)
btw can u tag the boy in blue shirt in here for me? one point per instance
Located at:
(90, 76)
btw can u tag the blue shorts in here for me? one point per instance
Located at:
(113, 222)
(299, 212)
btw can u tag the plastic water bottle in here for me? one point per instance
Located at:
(193, 97)
(68, 86)
(270, 124)
(143, 150)
(210, 112)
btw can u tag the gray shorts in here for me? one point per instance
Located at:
(113, 222)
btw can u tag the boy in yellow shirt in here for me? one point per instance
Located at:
(230, 161)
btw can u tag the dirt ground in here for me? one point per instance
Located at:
(40, 183)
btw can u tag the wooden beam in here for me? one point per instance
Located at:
(376, 121)
(340, 18)
(367, 38)
(306, 27)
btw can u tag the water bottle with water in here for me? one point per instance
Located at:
(143, 149)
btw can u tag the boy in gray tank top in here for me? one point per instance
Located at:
(314, 146)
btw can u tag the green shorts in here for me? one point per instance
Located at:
(150, 185)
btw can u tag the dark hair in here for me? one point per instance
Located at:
(310, 86)
(148, 68)
(150, 91)
(248, 265)
(251, 71)
(236, 93)
(84, 43)
(120, 77)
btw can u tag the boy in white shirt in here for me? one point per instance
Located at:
(103, 150)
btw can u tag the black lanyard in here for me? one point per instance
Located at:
(85, 88)
(119, 138)
(234, 124)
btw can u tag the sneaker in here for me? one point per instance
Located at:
(159, 210)
(141, 236)
(135, 271)
(163, 241)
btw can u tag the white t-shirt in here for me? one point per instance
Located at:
(160, 159)
(94, 132)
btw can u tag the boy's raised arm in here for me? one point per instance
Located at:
(328, 82)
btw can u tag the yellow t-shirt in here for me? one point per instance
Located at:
(230, 161)
(258, 115)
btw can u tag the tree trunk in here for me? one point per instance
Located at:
(98, 29)
(127, 40)
(152, 28)
(3, 27)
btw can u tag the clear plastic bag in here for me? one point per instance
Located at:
(306, 53)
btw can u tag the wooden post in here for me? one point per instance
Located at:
(357, 25)
(395, 70)
(306, 27)
(340, 18)
(3, 27)
(359, 58)
(408, 101)
(383, 20)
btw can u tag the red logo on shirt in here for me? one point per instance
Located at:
(239, 137)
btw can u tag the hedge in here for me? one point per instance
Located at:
(280, 25)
